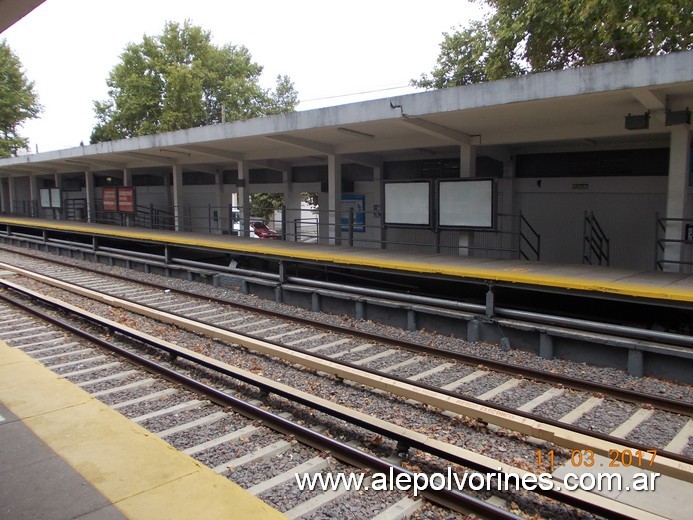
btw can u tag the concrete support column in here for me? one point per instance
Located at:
(91, 196)
(3, 196)
(12, 187)
(127, 183)
(220, 205)
(221, 195)
(378, 218)
(467, 169)
(334, 197)
(58, 181)
(510, 225)
(244, 197)
(178, 207)
(292, 201)
(677, 196)
(33, 196)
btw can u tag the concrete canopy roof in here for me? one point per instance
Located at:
(562, 107)
(12, 11)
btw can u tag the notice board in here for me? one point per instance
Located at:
(408, 203)
(467, 203)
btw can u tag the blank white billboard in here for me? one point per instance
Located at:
(408, 203)
(466, 203)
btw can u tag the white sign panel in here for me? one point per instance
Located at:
(408, 203)
(466, 203)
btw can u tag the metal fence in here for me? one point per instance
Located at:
(684, 228)
(514, 237)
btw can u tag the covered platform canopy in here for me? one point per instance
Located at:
(12, 11)
(562, 109)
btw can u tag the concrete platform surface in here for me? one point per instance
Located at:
(65, 455)
(574, 279)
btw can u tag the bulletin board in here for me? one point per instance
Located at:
(408, 203)
(467, 203)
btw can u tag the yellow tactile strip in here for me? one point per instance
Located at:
(143, 476)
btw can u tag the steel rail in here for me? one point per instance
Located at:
(497, 414)
(448, 498)
(533, 317)
(445, 497)
(639, 398)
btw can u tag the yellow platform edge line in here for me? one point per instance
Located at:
(143, 476)
(351, 258)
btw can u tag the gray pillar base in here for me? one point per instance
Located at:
(360, 306)
(636, 363)
(473, 332)
(411, 320)
(546, 346)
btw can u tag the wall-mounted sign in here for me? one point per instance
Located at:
(126, 199)
(357, 203)
(110, 199)
(118, 199)
(467, 203)
(51, 198)
(408, 203)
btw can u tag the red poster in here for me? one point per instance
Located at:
(110, 200)
(126, 199)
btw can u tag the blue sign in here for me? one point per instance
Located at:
(357, 203)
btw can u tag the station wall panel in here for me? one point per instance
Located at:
(625, 208)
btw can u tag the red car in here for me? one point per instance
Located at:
(260, 230)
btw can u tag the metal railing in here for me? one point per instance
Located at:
(513, 238)
(529, 246)
(686, 241)
(595, 243)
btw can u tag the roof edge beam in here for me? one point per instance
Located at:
(214, 152)
(97, 164)
(650, 99)
(34, 170)
(306, 144)
(372, 161)
(436, 130)
(272, 164)
(158, 160)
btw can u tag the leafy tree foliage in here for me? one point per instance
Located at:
(525, 36)
(178, 80)
(265, 204)
(18, 102)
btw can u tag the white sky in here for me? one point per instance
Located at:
(329, 49)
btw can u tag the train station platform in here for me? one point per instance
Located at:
(65, 455)
(574, 279)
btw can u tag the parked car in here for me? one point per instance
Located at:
(260, 230)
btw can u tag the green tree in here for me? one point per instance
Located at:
(18, 102)
(526, 36)
(178, 80)
(265, 204)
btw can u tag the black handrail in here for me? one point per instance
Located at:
(595, 242)
(525, 240)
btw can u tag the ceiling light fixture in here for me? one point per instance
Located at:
(678, 117)
(638, 122)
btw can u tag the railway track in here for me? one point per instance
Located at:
(319, 342)
(259, 450)
(480, 380)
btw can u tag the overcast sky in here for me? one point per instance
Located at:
(329, 49)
